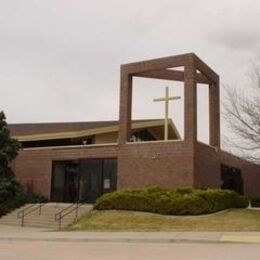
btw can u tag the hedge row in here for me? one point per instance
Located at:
(172, 202)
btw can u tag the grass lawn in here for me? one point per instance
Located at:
(115, 220)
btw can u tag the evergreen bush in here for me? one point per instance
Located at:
(11, 192)
(172, 202)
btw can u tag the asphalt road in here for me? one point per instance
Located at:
(39, 250)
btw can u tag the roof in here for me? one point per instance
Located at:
(63, 130)
(43, 128)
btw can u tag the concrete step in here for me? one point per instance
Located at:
(72, 214)
(54, 224)
(47, 217)
(40, 218)
(36, 221)
(51, 218)
(37, 224)
(29, 224)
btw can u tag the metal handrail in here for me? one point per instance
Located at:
(65, 209)
(26, 208)
(73, 207)
(31, 208)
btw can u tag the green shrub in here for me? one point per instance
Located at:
(172, 202)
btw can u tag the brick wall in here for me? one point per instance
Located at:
(34, 166)
(207, 166)
(168, 164)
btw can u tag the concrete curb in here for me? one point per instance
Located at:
(125, 240)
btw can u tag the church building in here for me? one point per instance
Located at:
(79, 161)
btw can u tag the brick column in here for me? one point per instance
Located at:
(214, 115)
(125, 109)
(190, 103)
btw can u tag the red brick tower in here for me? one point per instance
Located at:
(185, 162)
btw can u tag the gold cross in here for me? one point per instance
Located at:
(166, 99)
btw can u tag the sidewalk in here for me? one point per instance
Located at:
(12, 233)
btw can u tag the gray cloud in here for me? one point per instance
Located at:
(237, 26)
(237, 39)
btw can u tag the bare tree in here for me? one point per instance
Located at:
(242, 115)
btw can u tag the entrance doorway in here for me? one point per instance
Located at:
(232, 179)
(65, 181)
(82, 180)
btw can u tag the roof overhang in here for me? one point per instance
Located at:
(95, 131)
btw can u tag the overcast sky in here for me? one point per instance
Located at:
(60, 59)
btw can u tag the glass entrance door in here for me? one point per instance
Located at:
(96, 178)
(71, 181)
(83, 180)
(65, 181)
(91, 180)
